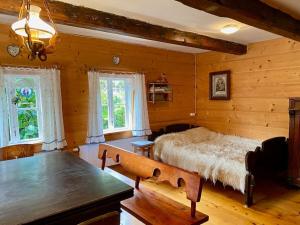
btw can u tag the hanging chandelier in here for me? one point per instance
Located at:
(36, 36)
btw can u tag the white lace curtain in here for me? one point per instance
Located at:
(4, 129)
(53, 136)
(95, 124)
(53, 125)
(140, 118)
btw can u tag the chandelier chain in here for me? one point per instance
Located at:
(48, 11)
(21, 13)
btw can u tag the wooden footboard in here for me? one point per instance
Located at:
(267, 160)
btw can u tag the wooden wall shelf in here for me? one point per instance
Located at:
(159, 92)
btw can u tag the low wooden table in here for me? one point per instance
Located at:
(144, 146)
(56, 188)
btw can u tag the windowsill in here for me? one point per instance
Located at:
(118, 134)
(32, 142)
(115, 131)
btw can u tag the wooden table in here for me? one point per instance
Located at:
(56, 188)
(144, 146)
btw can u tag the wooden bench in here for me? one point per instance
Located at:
(152, 207)
(16, 151)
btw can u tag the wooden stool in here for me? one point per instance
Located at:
(144, 146)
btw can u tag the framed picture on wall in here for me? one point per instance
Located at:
(219, 85)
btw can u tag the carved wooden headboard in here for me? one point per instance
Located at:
(177, 127)
(172, 128)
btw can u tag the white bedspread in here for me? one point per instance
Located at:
(213, 155)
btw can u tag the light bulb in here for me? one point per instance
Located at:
(230, 29)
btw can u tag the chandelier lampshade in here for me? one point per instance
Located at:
(36, 37)
(38, 28)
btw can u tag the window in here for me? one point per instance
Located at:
(23, 96)
(115, 104)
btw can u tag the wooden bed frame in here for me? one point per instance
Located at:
(266, 161)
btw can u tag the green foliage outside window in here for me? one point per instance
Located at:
(117, 87)
(27, 115)
(28, 124)
(119, 117)
(104, 102)
(26, 101)
(105, 116)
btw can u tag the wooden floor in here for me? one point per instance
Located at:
(127, 219)
(275, 204)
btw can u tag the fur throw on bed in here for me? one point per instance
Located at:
(213, 155)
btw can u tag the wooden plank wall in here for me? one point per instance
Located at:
(261, 83)
(76, 54)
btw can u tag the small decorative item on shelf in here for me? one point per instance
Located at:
(162, 78)
(160, 90)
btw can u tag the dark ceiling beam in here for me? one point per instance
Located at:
(67, 14)
(252, 12)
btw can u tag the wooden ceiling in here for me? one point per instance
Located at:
(67, 14)
(254, 13)
(291, 7)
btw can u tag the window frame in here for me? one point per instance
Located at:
(110, 105)
(13, 122)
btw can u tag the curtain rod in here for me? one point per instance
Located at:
(54, 66)
(120, 71)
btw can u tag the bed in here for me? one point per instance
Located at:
(232, 160)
